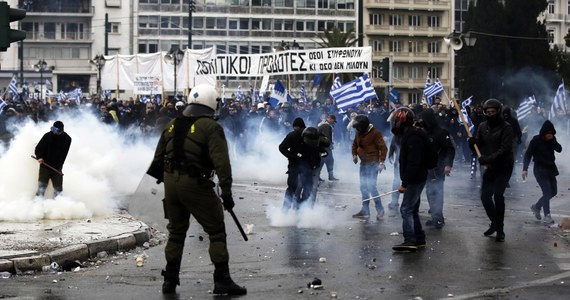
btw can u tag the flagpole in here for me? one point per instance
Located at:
(462, 120)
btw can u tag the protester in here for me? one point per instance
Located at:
(541, 150)
(51, 152)
(190, 149)
(370, 148)
(303, 147)
(413, 173)
(495, 139)
(445, 148)
(326, 129)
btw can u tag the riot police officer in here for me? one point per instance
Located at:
(190, 150)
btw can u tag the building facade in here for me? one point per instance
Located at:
(557, 21)
(411, 33)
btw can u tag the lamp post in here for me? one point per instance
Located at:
(98, 61)
(175, 55)
(41, 67)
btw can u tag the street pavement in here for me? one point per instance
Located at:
(352, 258)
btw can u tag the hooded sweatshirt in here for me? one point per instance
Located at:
(542, 151)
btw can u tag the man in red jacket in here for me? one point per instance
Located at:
(369, 146)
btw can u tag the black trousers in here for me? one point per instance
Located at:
(492, 194)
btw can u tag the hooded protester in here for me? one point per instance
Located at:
(495, 139)
(51, 152)
(370, 148)
(445, 148)
(541, 150)
(303, 148)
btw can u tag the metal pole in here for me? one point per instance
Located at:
(190, 8)
(41, 83)
(175, 56)
(107, 34)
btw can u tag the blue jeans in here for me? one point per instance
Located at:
(329, 162)
(547, 182)
(409, 209)
(492, 195)
(434, 193)
(395, 185)
(368, 179)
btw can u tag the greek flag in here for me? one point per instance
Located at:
(2, 105)
(353, 92)
(223, 94)
(239, 95)
(432, 89)
(278, 95)
(559, 103)
(525, 108)
(303, 93)
(13, 86)
(467, 102)
(336, 84)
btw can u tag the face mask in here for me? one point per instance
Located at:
(55, 130)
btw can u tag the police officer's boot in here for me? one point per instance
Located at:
(223, 283)
(171, 280)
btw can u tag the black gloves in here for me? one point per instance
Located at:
(471, 141)
(484, 160)
(228, 202)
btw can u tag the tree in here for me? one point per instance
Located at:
(511, 45)
(334, 39)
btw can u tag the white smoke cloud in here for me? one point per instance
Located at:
(101, 168)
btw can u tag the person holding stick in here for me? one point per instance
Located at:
(495, 138)
(191, 148)
(51, 152)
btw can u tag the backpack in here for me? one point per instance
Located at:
(430, 156)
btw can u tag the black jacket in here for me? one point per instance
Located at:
(542, 151)
(412, 167)
(444, 144)
(53, 149)
(496, 145)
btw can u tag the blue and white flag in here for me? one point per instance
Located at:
(223, 95)
(525, 108)
(2, 105)
(317, 80)
(239, 94)
(394, 95)
(467, 102)
(278, 95)
(336, 83)
(354, 92)
(13, 86)
(303, 93)
(559, 103)
(432, 89)
(144, 99)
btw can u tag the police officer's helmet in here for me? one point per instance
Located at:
(493, 103)
(204, 94)
(400, 119)
(311, 136)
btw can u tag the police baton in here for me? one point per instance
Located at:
(50, 167)
(381, 195)
(237, 223)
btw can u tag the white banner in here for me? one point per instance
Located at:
(312, 61)
(204, 66)
(147, 85)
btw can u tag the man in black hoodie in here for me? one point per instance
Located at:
(495, 140)
(52, 151)
(302, 147)
(541, 151)
(445, 148)
(413, 173)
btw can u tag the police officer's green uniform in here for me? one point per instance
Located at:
(190, 149)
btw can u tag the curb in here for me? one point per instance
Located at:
(81, 252)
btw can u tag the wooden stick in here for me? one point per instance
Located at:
(50, 167)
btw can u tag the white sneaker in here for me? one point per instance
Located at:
(548, 219)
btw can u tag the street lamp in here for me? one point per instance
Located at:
(98, 61)
(41, 67)
(174, 56)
